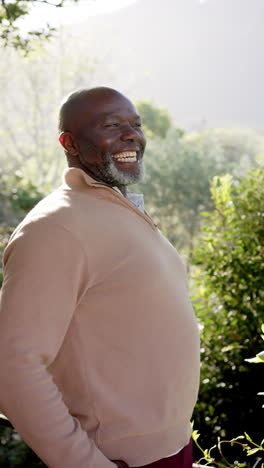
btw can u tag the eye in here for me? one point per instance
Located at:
(137, 124)
(111, 125)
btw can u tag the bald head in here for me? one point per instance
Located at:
(75, 103)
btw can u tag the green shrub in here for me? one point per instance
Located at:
(230, 306)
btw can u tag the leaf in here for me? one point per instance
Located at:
(238, 438)
(248, 437)
(252, 451)
(257, 359)
(195, 435)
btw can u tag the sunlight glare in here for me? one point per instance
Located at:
(71, 13)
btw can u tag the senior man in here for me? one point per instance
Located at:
(99, 345)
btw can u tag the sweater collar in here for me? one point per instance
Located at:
(72, 176)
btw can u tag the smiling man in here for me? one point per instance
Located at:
(101, 133)
(99, 346)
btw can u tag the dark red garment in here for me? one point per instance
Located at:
(183, 459)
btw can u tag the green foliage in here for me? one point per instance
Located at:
(13, 10)
(215, 456)
(245, 442)
(179, 169)
(230, 305)
(259, 358)
(156, 121)
(18, 195)
(177, 187)
(23, 195)
(14, 453)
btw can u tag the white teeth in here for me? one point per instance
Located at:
(126, 155)
(126, 159)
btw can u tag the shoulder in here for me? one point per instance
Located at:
(53, 218)
(60, 210)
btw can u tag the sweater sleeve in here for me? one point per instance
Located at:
(45, 276)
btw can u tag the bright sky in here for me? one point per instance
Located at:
(71, 13)
(41, 14)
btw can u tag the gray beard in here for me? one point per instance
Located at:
(116, 177)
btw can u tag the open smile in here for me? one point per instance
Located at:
(125, 157)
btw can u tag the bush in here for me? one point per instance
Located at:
(229, 304)
(14, 453)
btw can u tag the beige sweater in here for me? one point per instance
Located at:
(99, 346)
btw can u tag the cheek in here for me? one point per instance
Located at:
(104, 144)
(89, 148)
(101, 145)
(88, 153)
(92, 152)
(95, 146)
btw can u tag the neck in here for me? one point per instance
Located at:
(123, 190)
(76, 163)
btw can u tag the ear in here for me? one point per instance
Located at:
(69, 143)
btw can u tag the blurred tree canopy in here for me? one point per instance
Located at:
(156, 121)
(13, 10)
(31, 144)
(179, 170)
(229, 302)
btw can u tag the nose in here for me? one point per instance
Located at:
(129, 133)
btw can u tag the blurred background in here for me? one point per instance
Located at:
(195, 69)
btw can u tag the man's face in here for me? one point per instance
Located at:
(110, 139)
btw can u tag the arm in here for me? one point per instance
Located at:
(45, 278)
